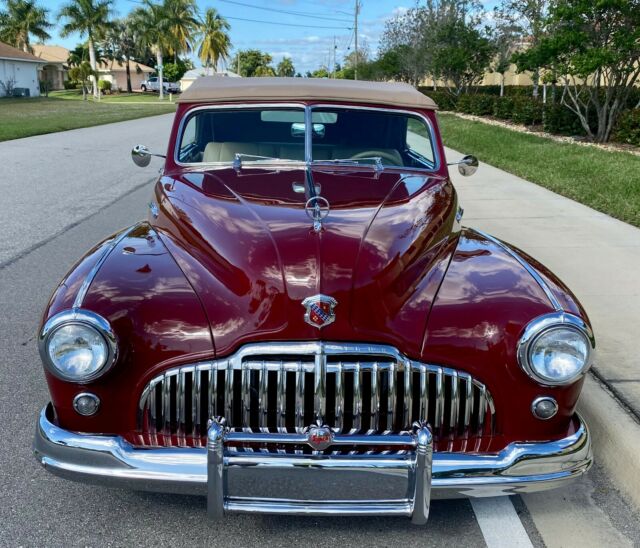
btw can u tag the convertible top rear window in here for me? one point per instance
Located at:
(217, 135)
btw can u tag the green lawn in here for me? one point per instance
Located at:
(606, 181)
(66, 110)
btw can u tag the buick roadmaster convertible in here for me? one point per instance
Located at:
(302, 326)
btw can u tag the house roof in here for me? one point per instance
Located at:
(119, 66)
(196, 73)
(9, 52)
(53, 54)
(213, 89)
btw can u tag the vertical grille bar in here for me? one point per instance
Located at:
(408, 393)
(339, 397)
(181, 412)
(228, 391)
(357, 399)
(152, 408)
(375, 398)
(166, 407)
(263, 397)
(320, 386)
(391, 401)
(246, 398)
(468, 406)
(212, 383)
(299, 398)
(482, 404)
(195, 405)
(423, 410)
(439, 399)
(455, 388)
(282, 398)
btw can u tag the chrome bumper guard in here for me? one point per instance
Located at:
(389, 483)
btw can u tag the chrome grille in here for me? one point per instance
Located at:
(285, 387)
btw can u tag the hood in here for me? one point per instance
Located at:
(248, 248)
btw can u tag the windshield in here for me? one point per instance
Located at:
(339, 135)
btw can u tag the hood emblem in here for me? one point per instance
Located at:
(319, 437)
(319, 310)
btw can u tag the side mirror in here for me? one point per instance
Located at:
(467, 166)
(141, 155)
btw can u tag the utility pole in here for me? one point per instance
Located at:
(355, 75)
(333, 66)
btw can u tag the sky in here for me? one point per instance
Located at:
(307, 35)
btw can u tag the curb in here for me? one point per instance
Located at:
(616, 437)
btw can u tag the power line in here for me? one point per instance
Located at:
(284, 24)
(289, 12)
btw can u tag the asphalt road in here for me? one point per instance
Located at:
(38, 509)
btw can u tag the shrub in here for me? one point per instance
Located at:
(560, 120)
(479, 104)
(444, 99)
(527, 111)
(503, 107)
(627, 128)
(70, 84)
(104, 85)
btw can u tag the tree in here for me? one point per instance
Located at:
(463, 56)
(22, 20)
(531, 16)
(182, 24)
(215, 42)
(151, 25)
(120, 44)
(285, 67)
(175, 71)
(251, 60)
(88, 18)
(595, 46)
(82, 73)
(506, 37)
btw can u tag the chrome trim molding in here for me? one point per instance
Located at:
(84, 288)
(259, 482)
(532, 271)
(82, 317)
(540, 325)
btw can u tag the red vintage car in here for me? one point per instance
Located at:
(303, 326)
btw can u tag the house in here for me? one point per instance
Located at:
(192, 75)
(116, 73)
(19, 70)
(55, 70)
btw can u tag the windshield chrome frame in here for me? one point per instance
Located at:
(283, 163)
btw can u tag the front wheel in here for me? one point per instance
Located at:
(143, 88)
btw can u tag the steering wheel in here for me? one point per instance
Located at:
(393, 160)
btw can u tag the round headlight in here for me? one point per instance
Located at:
(77, 345)
(556, 349)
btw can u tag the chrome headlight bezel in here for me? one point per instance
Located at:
(85, 318)
(541, 325)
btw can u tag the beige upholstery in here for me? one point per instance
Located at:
(216, 89)
(226, 152)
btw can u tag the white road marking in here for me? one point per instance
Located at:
(500, 525)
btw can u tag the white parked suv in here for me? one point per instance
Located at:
(153, 84)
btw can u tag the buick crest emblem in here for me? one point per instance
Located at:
(319, 310)
(319, 437)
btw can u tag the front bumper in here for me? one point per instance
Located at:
(396, 483)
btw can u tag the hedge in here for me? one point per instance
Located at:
(519, 107)
(627, 129)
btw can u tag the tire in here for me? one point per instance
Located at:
(143, 88)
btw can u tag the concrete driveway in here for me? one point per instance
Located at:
(54, 223)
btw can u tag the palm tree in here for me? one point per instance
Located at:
(214, 39)
(285, 67)
(21, 20)
(90, 18)
(120, 44)
(151, 25)
(182, 23)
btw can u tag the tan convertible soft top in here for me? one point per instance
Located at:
(219, 89)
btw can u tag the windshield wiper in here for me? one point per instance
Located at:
(237, 162)
(377, 162)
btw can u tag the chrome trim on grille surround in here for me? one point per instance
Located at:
(163, 417)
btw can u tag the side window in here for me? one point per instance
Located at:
(419, 140)
(188, 144)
